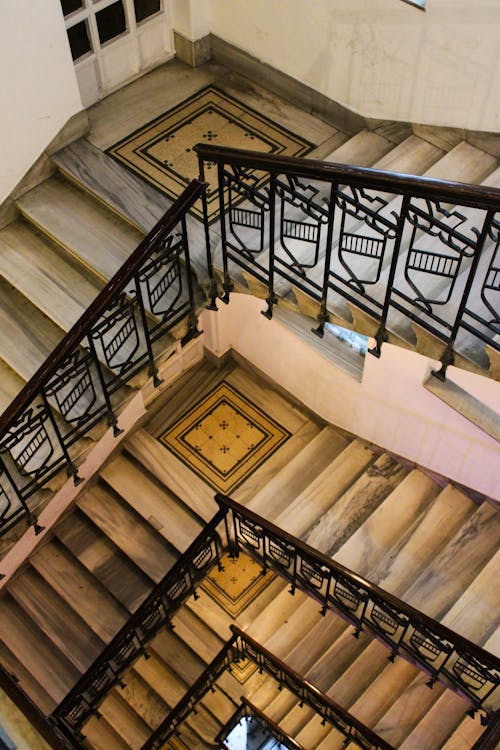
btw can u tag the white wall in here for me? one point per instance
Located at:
(38, 88)
(381, 58)
(390, 407)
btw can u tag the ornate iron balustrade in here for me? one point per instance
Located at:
(443, 654)
(242, 646)
(130, 642)
(247, 710)
(402, 249)
(120, 332)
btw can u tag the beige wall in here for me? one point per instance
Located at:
(390, 407)
(381, 58)
(38, 87)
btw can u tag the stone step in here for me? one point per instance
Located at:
(22, 674)
(124, 720)
(143, 699)
(466, 734)
(132, 535)
(101, 736)
(153, 501)
(104, 560)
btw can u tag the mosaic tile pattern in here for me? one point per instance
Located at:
(237, 585)
(224, 438)
(162, 153)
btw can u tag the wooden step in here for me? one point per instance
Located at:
(287, 484)
(49, 667)
(173, 473)
(76, 222)
(136, 538)
(124, 720)
(312, 504)
(152, 501)
(355, 505)
(35, 335)
(100, 556)
(60, 623)
(458, 563)
(61, 288)
(84, 593)
(388, 523)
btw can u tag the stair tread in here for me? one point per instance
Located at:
(166, 683)
(439, 723)
(411, 156)
(60, 623)
(101, 557)
(136, 538)
(457, 563)
(124, 720)
(313, 732)
(10, 385)
(362, 150)
(101, 736)
(109, 181)
(464, 163)
(74, 220)
(298, 473)
(388, 523)
(143, 699)
(49, 667)
(153, 502)
(54, 283)
(283, 607)
(35, 335)
(318, 497)
(169, 470)
(356, 504)
(80, 589)
(178, 656)
(27, 682)
(465, 735)
(197, 634)
(411, 555)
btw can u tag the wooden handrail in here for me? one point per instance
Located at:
(74, 336)
(414, 615)
(345, 174)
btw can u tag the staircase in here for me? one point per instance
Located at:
(429, 544)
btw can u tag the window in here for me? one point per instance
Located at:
(79, 41)
(110, 22)
(145, 8)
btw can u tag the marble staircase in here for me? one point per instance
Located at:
(430, 545)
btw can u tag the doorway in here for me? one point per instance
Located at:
(114, 41)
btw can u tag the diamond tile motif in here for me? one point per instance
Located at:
(224, 438)
(240, 581)
(161, 152)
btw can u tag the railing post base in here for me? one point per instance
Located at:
(447, 359)
(380, 337)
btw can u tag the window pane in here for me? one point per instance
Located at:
(146, 8)
(68, 6)
(79, 41)
(111, 22)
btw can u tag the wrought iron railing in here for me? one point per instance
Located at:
(154, 613)
(242, 646)
(402, 249)
(442, 653)
(79, 384)
(247, 710)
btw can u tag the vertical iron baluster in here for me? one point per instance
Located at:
(271, 297)
(112, 420)
(323, 316)
(153, 370)
(212, 290)
(227, 285)
(381, 334)
(447, 357)
(235, 552)
(71, 469)
(193, 331)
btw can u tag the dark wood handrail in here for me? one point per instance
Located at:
(253, 710)
(124, 274)
(33, 713)
(373, 179)
(413, 614)
(322, 697)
